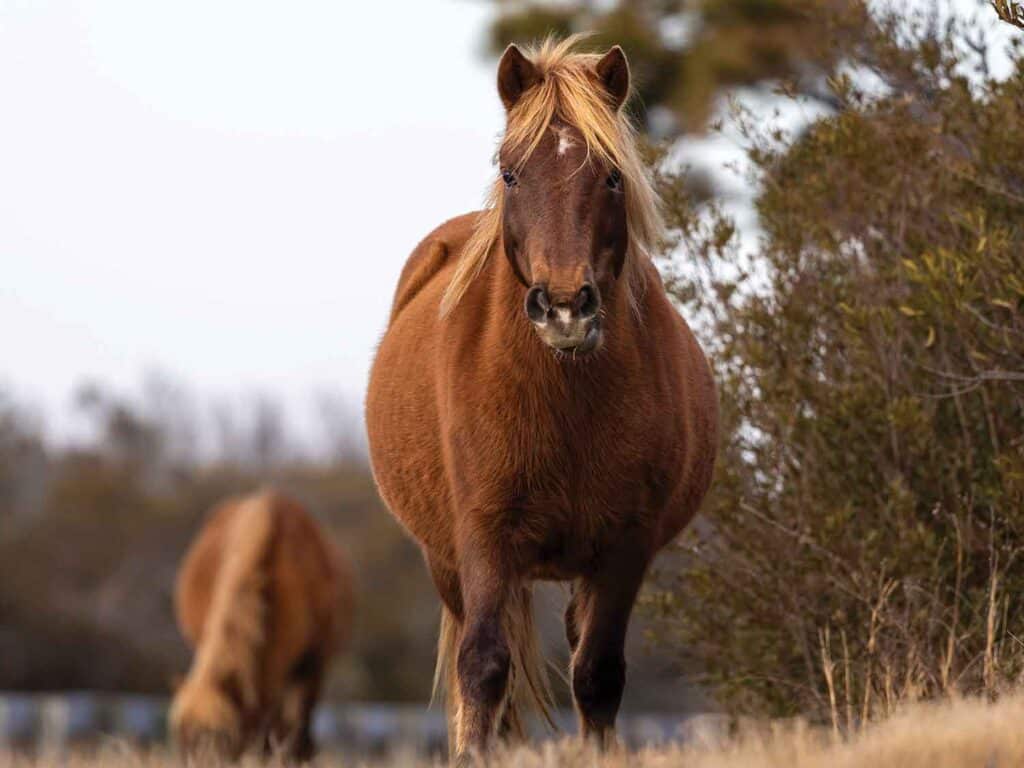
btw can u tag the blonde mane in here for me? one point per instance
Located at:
(234, 631)
(568, 91)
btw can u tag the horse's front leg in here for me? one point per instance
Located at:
(484, 656)
(602, 604)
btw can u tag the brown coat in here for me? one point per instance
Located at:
(537, 408)
(265, 599)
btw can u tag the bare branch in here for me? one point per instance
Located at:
(1010, 11)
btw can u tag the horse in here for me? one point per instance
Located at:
(537, 409)
(265, 600)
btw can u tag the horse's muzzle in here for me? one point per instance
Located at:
(569, 325)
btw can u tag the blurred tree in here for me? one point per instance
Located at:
(863, 539)
(685, 53)
(127, 437)
(23, 461)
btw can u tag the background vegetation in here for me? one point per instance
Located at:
(685, 53)
(94, 531)
(864, 540)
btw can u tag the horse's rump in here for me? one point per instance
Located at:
(265, 599)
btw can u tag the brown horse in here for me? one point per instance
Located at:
(266, 600)
(537, 408)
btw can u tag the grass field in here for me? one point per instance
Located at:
(963, 734)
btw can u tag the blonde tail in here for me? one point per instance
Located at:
(233, 636)
(446, 680)
(528, 685)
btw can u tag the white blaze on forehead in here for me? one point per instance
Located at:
(565, 142)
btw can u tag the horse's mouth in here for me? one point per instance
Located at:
(574, 345)
(591, 341)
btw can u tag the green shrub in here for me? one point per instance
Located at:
(863, 539)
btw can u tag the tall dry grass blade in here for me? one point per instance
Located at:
(828, 667)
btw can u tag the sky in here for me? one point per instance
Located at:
(225, 192)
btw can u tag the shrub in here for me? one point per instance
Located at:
(863, 539)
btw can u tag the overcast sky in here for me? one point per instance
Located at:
(225, 191)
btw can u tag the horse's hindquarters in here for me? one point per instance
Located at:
(261, 591)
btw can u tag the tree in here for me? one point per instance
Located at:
(1010, 12)
(685, 53)
(863, 539)
(22, 461)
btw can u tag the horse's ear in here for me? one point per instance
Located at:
(613, 71)
(516, 74)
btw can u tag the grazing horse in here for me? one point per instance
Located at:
(537, 408)
(266, 600)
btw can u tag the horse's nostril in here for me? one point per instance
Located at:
(537, 304)
(587, 301)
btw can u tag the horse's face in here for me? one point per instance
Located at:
(205, 721)
(564, 217)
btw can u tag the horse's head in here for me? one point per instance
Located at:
(564, 210)
(204, 721)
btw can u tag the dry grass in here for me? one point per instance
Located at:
(963, 734)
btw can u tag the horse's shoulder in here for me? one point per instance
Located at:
(430, 256)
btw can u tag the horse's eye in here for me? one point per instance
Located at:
(614, 180)
(508, 177)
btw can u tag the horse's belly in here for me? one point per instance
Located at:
(565, 538)
(405, 450)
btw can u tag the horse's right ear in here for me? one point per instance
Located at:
(516, 75)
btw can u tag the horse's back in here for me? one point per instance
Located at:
(308, 580)
(198, 573)
(312, 583)
(437, 250)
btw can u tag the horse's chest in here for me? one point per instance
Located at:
(562, 477)
(567, 489)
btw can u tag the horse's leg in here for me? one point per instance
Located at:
(308, 680)
(278, 706)
(604, 602)
(446, 581)
(484, 657)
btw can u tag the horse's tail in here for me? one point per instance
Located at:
(529, 688)
(446, 680)
(224, 676)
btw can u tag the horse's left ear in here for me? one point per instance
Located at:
(613, 70)
(516, 75)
